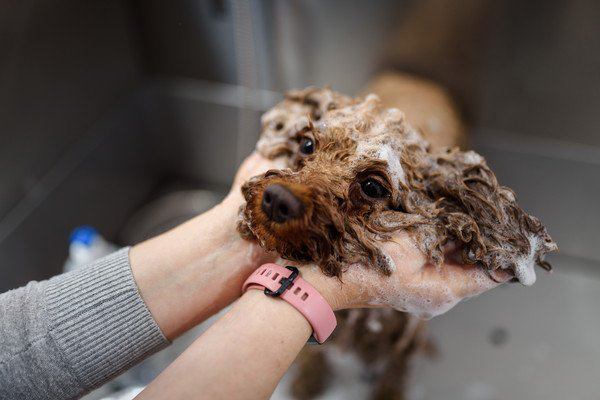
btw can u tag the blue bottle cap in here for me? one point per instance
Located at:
(84, 235)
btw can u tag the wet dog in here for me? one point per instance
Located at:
(358, 172)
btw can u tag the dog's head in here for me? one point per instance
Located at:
(358, 172)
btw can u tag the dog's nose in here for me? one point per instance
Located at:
(280, 204)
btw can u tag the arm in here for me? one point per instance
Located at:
(63, 337)
(242, 356)
(191, 272)
(246, 352)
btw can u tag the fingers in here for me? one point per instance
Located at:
(470, 280)
(404, 253)
(462, 280)
(248, 166)
(256, 164)
(418, 287)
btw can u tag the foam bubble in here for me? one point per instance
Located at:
(373, 323)
(525, 265)
(421, 299)
(386, 153)
(394, 166)
(390, 262)
(470, 157)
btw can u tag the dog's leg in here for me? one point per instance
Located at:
(392, 382)
(429, 108)
(313, 373)
(391, 385)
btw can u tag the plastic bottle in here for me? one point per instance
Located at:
(85, 246)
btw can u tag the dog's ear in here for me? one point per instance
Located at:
(483, 216)
(362, 247)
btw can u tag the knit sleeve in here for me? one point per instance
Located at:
(63, 337)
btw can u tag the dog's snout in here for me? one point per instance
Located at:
(280, 204)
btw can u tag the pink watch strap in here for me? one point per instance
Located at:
(285, 283)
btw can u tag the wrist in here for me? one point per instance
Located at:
(287, 284)
(342, 293)
(326, 286)
(339, 294)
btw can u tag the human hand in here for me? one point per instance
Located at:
(192, 271)
(225, 215)
(253, 165)
(415, 286)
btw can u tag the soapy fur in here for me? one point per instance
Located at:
(436, 195)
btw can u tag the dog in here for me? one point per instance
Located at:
(358, 172)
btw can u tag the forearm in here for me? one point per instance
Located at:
(242, 356)
(246, 352)
(194, 270)
(63, 337)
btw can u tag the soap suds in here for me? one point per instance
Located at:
(470, 157)
(525, 265)
(373, 323)
(394, 167)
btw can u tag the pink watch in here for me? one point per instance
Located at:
(286, 283)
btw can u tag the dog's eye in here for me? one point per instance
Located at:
(307, 146)
(373, 189)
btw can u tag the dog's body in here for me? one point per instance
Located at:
(357, 173)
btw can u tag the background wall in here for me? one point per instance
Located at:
(68, 126)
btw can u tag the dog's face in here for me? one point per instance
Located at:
(358, 172)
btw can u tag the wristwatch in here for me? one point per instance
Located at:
(286, 283)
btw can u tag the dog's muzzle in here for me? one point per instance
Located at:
(280, 204)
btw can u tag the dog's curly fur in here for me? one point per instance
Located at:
(438, 195)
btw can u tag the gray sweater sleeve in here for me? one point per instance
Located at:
(63, 337)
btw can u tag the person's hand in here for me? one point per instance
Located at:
(415, 286)
(192, 271)
(253, 165)
(225, 214)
